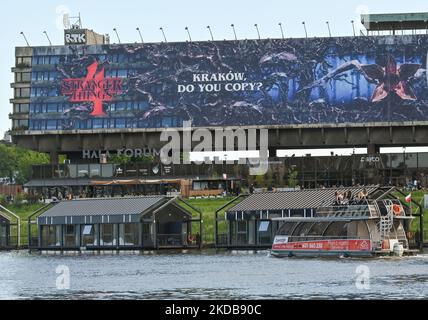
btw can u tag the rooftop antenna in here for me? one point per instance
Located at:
(77, 24)
(211, 33)
(282, 31)
(46, 34)
(234, 31)
(188, 32)
(353, 27)
(141, 36)
(257, 28)
(329, 30)
(304, 26)
(66, 21)
(163, 33)
(25, 38)
(117, 34)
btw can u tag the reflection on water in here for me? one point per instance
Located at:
(210, 275)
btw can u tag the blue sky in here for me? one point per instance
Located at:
(33, 17)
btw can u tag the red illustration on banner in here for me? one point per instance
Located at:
(93, 88)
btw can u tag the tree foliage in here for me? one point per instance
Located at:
(15, 163)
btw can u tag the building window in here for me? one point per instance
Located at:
(241, 233)
(51, 125)
(90, 235)
(37, 60)
(23, 77)
(97, 123)
(120, 123)
(22, 92)
(70, 236)
(52, 108)
(51, 236)
(21, 108)
(43, 76)
(23, 62)
(108, 232)
(129, 234)
(20, 124)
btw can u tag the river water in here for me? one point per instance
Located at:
(211, 275)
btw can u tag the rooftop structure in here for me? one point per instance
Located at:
(395, 22)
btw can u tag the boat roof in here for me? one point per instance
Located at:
(301, 199)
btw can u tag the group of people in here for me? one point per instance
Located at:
(348, 198)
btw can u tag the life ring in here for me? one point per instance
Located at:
(396, 209)
(190, 238)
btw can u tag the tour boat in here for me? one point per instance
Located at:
(357, 228)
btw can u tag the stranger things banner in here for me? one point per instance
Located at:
(234, 83)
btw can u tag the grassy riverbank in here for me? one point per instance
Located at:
(208, 208)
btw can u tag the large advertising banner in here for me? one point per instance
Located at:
(232, 83)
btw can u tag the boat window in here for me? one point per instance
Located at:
(302, 229)
(318, 229)
(337, 229)
(286, 228)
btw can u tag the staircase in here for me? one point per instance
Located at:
(386, 222)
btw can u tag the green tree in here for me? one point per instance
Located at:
(292, 178)
(15, 163)
(7, 162)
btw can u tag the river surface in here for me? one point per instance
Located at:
(211, 275)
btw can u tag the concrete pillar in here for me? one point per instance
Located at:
(273, 152)
(54, 157)
(373, 149)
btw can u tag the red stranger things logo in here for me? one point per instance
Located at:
(93, 88)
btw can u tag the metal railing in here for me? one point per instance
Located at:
(170, 240)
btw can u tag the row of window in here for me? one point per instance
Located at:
(38, 60)
(91, 235)
(45, 92)
(36, 108)
(55, 59)
(44, 76)
(121, 73)
(53, 75)
(103, 123)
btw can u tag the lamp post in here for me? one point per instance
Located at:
(353, 26)
(234, 31)
(188, 33)
(329, 30)
(141, 36)
(25, 38)
(46, 34)
(282, 31)
(257, 28)
(117, 35)
(163, 33)
(306, 31)
(212, 37)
